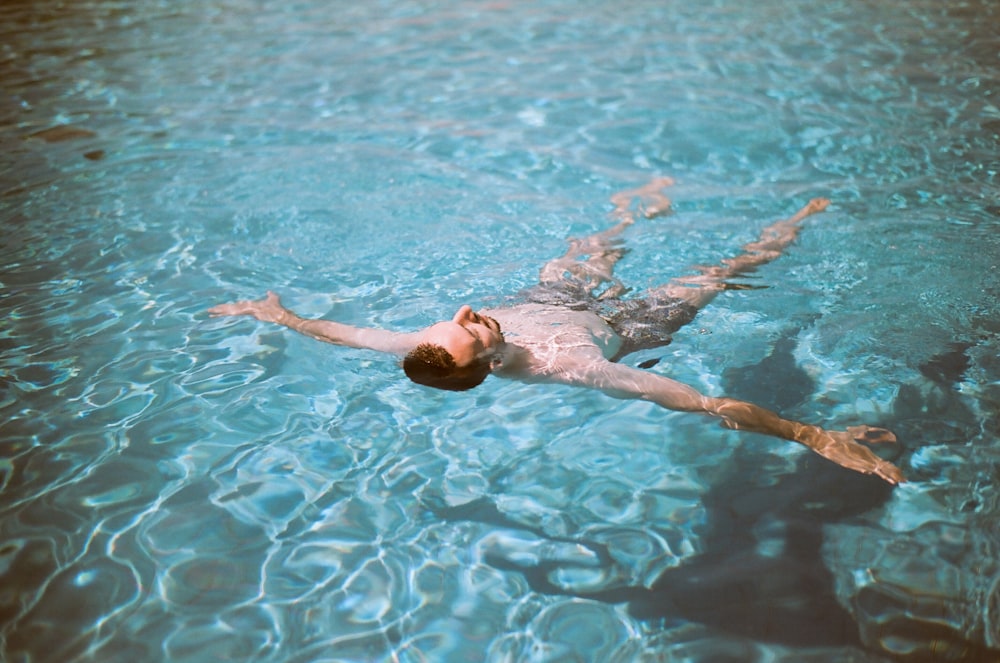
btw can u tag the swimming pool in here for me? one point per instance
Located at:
(179, 488)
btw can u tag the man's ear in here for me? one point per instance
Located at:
(496, 361)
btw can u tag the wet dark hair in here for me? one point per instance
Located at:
(433, 366)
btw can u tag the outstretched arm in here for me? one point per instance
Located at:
(270, 309)
(839, 446)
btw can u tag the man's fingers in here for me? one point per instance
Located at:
(235, 308)
(890, 473)
(871, 435)
(246, 307)
(220, 309)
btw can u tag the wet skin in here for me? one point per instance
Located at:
(466, 336)
(556, 345)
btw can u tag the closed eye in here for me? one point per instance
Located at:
(490, 322)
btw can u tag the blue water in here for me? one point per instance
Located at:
(179, 488)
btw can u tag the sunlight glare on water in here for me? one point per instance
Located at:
(180, 488)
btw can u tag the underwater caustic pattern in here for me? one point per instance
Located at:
(180, 488)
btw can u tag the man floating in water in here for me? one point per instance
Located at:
(574, 326)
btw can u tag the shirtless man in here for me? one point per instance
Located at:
(574, 326)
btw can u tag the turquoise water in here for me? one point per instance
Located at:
(179, 488)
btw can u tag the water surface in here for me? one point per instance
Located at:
(182, 489)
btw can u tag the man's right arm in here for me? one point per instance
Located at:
(270, 309)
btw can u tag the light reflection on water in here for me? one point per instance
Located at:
(179, 488)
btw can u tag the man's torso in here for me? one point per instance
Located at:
(556, 337)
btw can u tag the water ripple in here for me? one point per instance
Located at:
(180, 488)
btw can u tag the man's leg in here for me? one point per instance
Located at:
(591, 260)
(701, 289)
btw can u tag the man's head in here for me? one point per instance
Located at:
(456, 354)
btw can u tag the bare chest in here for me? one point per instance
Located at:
(551, 334)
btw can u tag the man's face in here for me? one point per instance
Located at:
(466, 336)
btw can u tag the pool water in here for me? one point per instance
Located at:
(180, 488)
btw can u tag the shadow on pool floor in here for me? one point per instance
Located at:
(760, 571)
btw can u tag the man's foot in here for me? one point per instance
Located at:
(777, 236)
(818, 205)
(652, 202)
(814, 206)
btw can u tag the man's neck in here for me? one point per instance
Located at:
(512, 361)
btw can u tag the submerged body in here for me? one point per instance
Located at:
(576, 324)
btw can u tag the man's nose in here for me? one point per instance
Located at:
(464, 314)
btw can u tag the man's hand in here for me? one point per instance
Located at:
(842, 448)
(268, 309)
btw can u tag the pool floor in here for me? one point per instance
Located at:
(175, 487)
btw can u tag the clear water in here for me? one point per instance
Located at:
(176, 488)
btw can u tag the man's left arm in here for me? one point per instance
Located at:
(841, 447)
